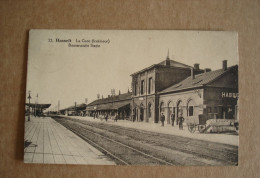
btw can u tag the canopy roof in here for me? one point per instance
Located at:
(109, 106)
(37, 105)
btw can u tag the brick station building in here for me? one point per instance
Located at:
(147, 83)
(213, 94)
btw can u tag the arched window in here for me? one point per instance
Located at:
(161, 107)
(170, 108)
(179, 109)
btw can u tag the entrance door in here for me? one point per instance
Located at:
(141, 114)
(170, 111)
(179, 109)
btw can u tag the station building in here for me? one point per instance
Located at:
(147, 83)
(174, 87)
(212, 94)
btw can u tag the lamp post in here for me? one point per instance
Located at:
(29, 97)
(112, 95)
(35, 106)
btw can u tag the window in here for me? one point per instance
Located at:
(142, 87)
(162, 108)
(135, 89)
(209, 110)
(190, 110)
(150, 85)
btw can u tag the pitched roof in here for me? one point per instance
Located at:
(175, 64)
(199, 80)
(163, 63)
(124, 96)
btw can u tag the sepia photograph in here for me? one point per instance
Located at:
(132, 97)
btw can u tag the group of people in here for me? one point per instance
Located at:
(106, 116)
(179, 120)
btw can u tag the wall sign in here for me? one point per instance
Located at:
(229, 95)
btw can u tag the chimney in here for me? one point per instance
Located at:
(196, 66)
(192, 73)
(119, 92)
(207, 70)
(108, 96)
(168, 62)
(224, 64)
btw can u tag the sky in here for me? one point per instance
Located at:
(57, 72)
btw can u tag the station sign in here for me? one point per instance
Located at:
(229, 95)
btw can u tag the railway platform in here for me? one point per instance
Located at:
(46, 141)
(224, 138)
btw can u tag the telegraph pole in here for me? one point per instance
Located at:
(29, 97)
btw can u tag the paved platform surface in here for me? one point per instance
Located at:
(225, 138)
(46, 141)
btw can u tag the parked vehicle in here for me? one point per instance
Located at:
(202, 124)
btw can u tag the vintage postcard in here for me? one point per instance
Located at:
(132, 97)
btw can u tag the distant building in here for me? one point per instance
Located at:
(111, 105)
(147, 83)
(75, 110)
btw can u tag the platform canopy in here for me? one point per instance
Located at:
(38, 106)
(109, 106)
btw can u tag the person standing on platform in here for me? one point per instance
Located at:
(116, 117)
(181, 120)
(162, 119)
(106, 117)
(173, 118)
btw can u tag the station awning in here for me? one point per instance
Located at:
(109, 106)
(41, 106)
(90, 109)
(120, 105)
(104, 107)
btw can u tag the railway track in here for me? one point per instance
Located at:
(228, 154)
(117, 150)
(138, 148)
